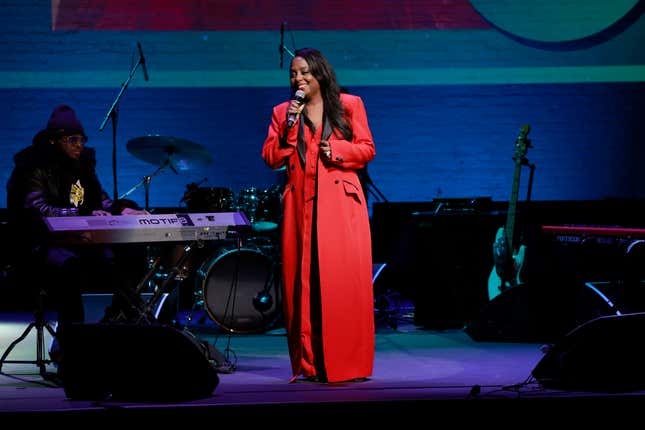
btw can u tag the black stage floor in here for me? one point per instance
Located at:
(419, 374)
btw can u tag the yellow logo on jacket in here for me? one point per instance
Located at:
(77, 194)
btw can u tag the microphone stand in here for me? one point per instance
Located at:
(283, 48)
(281, 43)
(113, 114)
(372, 188)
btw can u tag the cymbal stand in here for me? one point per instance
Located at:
(146, 185)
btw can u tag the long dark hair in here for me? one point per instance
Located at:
(329, 89)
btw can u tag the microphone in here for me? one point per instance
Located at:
(142, 60)
(281, 47)
(263, 301)
(300, 97)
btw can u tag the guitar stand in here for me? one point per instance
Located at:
(40, 325)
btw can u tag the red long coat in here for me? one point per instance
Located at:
(344, 244)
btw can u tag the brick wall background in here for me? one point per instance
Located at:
(446, 89)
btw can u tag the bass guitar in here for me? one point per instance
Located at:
(509, 259)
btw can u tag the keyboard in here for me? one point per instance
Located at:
(179, 227)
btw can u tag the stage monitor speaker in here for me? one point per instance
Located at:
(135, 363)
(602, 355)
(540, 312)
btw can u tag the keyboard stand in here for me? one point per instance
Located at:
(146, 314)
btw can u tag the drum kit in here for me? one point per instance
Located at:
(236, 283)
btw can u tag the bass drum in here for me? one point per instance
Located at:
(240, 289)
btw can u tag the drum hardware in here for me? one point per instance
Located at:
(232, 294)
(136, 305)
(263, 300)
(388, 303)
(223, 363)
(146, 184)
(237, 289)
(262, 207)
(165, 151)
(208, 199)
(231, 305)
(191, 189)
(163, 288)
(248, 202)
(145, 310)
(180, 154)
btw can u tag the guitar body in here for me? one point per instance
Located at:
(509, 261)
(508, 269)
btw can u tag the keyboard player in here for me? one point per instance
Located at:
(55, 176)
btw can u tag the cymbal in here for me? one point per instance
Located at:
(180, 153)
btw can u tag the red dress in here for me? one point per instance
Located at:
(343, 244)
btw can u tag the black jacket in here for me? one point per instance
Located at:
(42, 178)
(40, 186)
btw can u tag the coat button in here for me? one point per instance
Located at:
(293, 188)
(293, 166)
(336, 181)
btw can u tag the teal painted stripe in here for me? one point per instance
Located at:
(348, 77)
(232, 51)
(493, 75)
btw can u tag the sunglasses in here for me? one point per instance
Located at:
(74, 140)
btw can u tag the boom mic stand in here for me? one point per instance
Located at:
(283, 48)
(114, 115)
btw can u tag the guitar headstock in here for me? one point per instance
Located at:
(522, 143)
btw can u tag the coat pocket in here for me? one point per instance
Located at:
(353, 191)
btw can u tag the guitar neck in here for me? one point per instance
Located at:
(512, 205)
